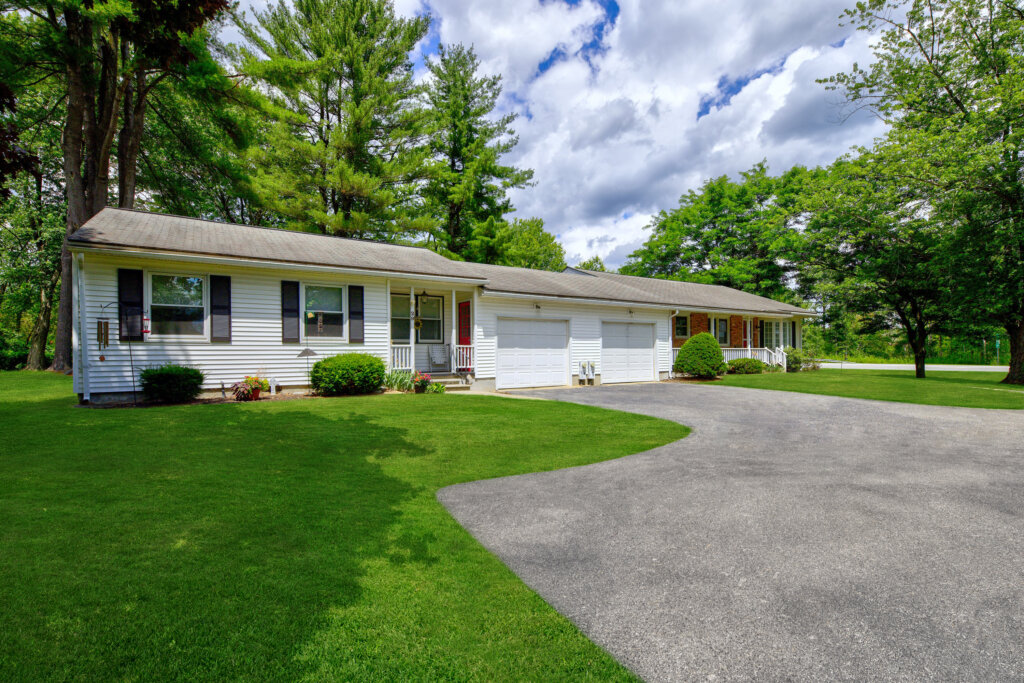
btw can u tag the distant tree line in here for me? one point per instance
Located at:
(924, 230)
(314, 122)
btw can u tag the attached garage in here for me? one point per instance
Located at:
(627, 352)
(532, 353)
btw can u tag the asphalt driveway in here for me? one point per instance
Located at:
(790, 536)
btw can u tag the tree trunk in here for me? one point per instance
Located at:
(1016, 332)
(129, 141)
(41, 330)
(919, 358)
(71, 143)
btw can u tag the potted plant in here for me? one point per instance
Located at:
(249, 388)
(420, 382)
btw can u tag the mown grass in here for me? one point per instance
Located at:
(941, 388)
(278, 540)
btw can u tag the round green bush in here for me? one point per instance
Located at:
(349, 373)
(746, 366)
(171, 383)
(794, 359)
(701, 357)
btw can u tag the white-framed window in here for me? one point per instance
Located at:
(401, 318)
(682, 326)
(178, 306)
(323, 311)
(720, 329)
(778, 333)
(430, 310)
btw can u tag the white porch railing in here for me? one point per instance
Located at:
(767, 356)
(463, 358)
(401, 357)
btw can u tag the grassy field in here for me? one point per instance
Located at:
(278, 540)
(969, 389)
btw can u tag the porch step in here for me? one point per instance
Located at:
(451, 381)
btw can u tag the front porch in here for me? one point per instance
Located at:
(431, 330)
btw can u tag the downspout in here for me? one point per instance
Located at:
(83, 328)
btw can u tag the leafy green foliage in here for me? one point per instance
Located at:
(521, 243)
(346, 150)
(795, 360)
(348, 373)
(171, 383)
(701, 357)
(948, 80)
(436, 389)
(467, 183)
(746, 366)
(727, 233)
(593, 263)
(871, 243)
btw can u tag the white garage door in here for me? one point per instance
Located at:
(532, 353)
(627, 352)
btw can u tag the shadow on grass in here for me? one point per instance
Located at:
(190, 542)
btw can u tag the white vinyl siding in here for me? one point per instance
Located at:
(627, 352)
(256, 344)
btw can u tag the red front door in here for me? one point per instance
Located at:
(465, 336)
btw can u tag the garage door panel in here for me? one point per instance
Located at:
(627, 352)
(532, 353)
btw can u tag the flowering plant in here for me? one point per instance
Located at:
(249, 388)
(421, 380)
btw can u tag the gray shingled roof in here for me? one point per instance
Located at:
(120, 228)
(153, 231)
(626, 288)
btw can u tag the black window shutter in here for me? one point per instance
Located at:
(355, 314)
(289, 311)
(760, 333)
(220, 308)
(129, 304)
(792, 337)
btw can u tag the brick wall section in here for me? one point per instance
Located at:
(698, 323)
(735, 331)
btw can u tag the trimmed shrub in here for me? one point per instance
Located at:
(171, 383)
(436, 389)
(13, 353)
(746, 366)
(794, 359)
(349, 373)
(701, 357)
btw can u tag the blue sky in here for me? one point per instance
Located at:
(626, 105)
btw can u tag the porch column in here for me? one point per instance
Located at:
(452, 354)
(412, 328)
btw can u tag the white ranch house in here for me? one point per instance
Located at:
(234, 300)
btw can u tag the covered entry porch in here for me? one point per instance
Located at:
(431, 329)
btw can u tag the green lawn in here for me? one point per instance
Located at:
(941, 388)
(278, 540)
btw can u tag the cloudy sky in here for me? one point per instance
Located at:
(624, 106)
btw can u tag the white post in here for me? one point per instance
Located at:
(412, 328)
(387, 309)
(451, 349)
(83, 322)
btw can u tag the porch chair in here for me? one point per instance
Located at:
(439, 356)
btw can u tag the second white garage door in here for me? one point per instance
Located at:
(627, 352)
(532, 353)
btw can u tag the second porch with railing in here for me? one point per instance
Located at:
(776, 357)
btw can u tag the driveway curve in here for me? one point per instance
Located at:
(790, 536)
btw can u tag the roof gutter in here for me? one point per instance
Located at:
(260, 263)
(637, 304)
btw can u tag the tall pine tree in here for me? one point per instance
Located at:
(468, 184)
(347, 149)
